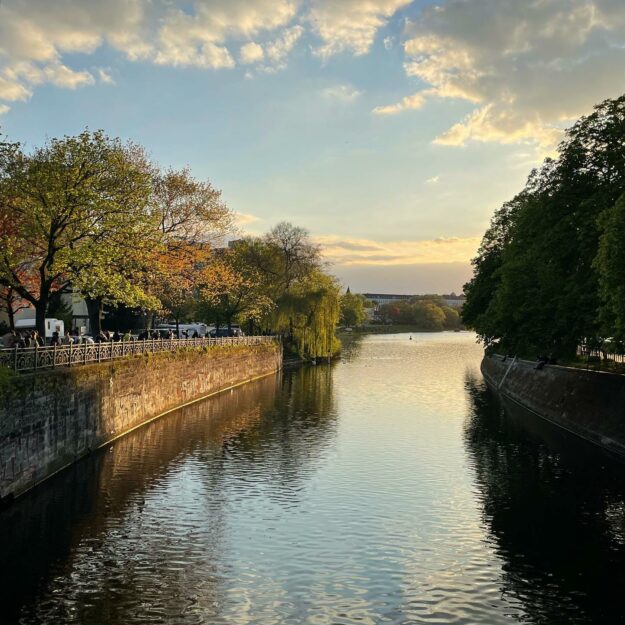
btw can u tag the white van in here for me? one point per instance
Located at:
(52, 326)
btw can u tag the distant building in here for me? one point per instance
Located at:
(454, 301)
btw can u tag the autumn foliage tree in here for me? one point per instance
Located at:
(230, 289)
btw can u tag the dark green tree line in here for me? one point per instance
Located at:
(548, 275)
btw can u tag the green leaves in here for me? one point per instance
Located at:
(547, 273)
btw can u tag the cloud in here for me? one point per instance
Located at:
(414, 101)
(251, 53)
(105, 77)
(274, 53)
(349, 25)
(278, 50)
(351, 252)
(342, 93)
(530, 68)
(244, 219)
(4, 109)
(36, 35)
(433, 179)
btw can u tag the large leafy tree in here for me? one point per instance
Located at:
(353, 309)
(535, 288)
(610, 264)
(192, 218)
(70, 213)
(230, 290)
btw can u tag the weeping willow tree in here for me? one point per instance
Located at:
(310, 311)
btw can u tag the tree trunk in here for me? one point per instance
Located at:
(11, 315)
(95, 308)
(40, 315)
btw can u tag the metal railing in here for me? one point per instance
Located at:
(601, 355)
(34, 358)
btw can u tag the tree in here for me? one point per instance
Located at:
(610, 264)
(452, 318)
(189, 211)
(312, 308)
(428, 316)
(230, 289)
(191, 218)
(11, 303)
(536, 287)
(66, 211)
(353, 309)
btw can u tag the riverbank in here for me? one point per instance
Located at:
(49, 419)
(390, 329)
(590, 404)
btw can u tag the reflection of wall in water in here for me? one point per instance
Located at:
(557, 514)
(42, 531)
(51, 418)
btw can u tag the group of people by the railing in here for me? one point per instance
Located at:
(32, 338)
(25, 338)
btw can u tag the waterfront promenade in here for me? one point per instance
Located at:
(49, 357)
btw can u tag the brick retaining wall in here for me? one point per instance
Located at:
(50, 419)
(590, 404)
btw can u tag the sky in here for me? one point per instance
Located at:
(390, 129)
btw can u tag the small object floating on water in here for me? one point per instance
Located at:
(411, 337)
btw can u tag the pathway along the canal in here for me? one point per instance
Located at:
(387, 488)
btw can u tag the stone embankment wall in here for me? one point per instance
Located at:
(590, 404)
(49, 419)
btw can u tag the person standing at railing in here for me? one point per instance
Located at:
(67, 339)
(127, 336)
(56, 339)
(36, 340)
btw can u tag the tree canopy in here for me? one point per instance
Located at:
(548, 275)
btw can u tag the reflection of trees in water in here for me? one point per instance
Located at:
(351, 345)
(284, 445)
(88, 523)
(556, 510)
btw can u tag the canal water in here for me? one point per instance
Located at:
(389, 487)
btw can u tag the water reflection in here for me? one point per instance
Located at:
(555, 509)
(136, 533)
